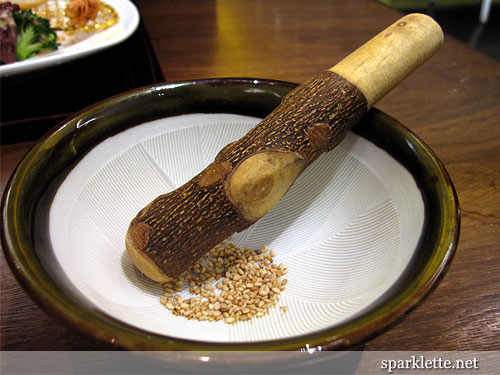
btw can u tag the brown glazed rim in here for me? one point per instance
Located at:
(27, 196)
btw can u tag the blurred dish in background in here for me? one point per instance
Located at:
(114, 22)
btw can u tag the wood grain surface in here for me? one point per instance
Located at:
(452, 103)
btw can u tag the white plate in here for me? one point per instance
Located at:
(346, 230)
(129, 20)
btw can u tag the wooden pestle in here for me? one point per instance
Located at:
(249, 176)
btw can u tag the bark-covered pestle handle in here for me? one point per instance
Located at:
(249, 176)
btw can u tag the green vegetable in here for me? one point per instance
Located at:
(34, 35)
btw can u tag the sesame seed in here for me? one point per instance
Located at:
(230, 283)
(169, 306)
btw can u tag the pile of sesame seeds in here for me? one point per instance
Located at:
(230, 283)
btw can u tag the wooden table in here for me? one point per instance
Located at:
(452, 103)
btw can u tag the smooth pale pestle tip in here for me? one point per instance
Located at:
(384, 61)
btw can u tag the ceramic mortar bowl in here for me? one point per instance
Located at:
(366, 232)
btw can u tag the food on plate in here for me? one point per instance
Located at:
(80, 12)
(8, 34)
(83, 17)
(34, 35)
(24, 33)
(30, 27)
(29, 4)
(229, 284)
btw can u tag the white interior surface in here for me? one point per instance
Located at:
(346, 229)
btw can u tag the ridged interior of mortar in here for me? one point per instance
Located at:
(346, 229)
